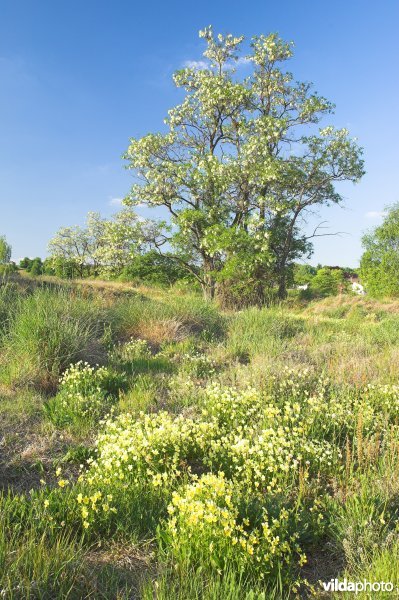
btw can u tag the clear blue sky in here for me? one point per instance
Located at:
(79, 78)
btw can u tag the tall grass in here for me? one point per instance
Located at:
(255, 331)
(42, 562)
(190, 584)
(49, 330)
(9, 297)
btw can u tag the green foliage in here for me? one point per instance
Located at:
(183, 583)
(153, 267)
(7, 269)
(5, 251)
(364, 526)
(63, 268)
(40, 558)
(303, 274)
(210, 526)
(379, 265)
(327, 282)
(36, 267)
(237, 443)
(24, 263)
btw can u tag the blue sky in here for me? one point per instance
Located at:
(78, 79)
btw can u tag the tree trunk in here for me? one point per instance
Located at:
(282, 285)
(209, 281)
(209, 287)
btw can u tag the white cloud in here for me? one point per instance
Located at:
(375, 214)
(115, 201)
(196, 64)
(242, 61)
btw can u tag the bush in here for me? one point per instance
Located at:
(243, 292)
(36, 268)
(327, 282)
(153, 267)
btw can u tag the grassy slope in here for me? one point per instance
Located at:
(353, 340)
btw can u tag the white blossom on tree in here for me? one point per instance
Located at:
(241, 163)
(103, 246)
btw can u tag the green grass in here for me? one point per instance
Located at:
(48, 331)
(262, 331)
(343, 343)
(188, 584)
(37, 561)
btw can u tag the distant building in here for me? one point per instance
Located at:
(357, 288)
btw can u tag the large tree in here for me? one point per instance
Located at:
(379, 265)
(240, 165)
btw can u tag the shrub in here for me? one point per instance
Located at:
(8, 269)
(327, 282)
(36, 268)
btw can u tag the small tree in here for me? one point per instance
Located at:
(118, 241)
(36, 267)
(72, 246)
(25, 263)
(63, 268)
(48, 267)
(379, 265)
(5, 251)
(327, 282)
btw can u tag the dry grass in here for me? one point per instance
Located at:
(349, 303)
(159, 332)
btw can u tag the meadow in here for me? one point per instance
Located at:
(155, 446)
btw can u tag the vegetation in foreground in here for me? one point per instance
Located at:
(155, 447)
